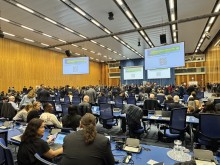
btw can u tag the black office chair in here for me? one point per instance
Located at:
(43, 161)
(200, 95)
(161, 98)
(177, 126)
(8, 157)
(76, 100)
(64, 109)
(106, 116)
(2, 154)
(151, 104)
(119, 102)
(131, 100)
(209, 131)
(102, 100)
(8, 111)
(66, 99)
(83, 109)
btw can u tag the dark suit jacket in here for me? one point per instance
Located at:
(75, 151)
(175, 105)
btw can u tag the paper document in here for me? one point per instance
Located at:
(201, 162)
(154, 117)
(131, 149)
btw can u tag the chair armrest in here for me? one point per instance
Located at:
(208, 137)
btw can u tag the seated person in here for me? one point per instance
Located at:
(151, 103)
(176, 103)
(86, 146)
(49, 118)
(72, 119)
(85, 107)
(32, 143)
(22, 114)
(11, 100)
(28, 99)
(34, 112)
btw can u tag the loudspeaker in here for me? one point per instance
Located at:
(119, 67)
(163, 39)
(68, 53)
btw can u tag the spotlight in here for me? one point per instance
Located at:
(68, 53)
(110, 16)
(139, 43)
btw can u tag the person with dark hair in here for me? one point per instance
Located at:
(49, 118)
(72, 119)
(86, 146)
(32, 143)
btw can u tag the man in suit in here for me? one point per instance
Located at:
(92, 95)
(85, 107)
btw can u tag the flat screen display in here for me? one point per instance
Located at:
(158, 73)
(133, 73)
(78, 65)
(168, 56)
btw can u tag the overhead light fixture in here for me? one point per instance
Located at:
(119, 2)
(107, 31)
(25, 8)
(82, 36)
(62, 40)
(44, 44)
(28, 40)
(2, 34)
(128, 14)
(50, 20)
(80, 11)
(27, 28)
(136, 25)
(110, 16)
(46, 35)
(95, 22)
(93, 41)
(58, 48)
(68, 29)
(139, 42)
(3, 19)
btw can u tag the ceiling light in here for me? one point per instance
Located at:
(171, 2)
(92, 52)
(122, 42)
(102, 61)
(44, 44)
(28, 40)
(3, 19)
(105, 56)
(107, 31)
(58, 48)
(50, 20)
(109, 58)
(146, 39)
(102, 45)
(124, 56)
(97, 59)
(128, 14)
(68, 29)
(82, 36)
(9, 34)
(109, 49)
(172, 17)
(175, 39)
(211, 20)
(93, 41)
(174, 34)
(111, 16)
(128, 58)
(62, 40)
(80, 11)
(25, 8)
(115, 52)
(142, 32)
(95, 22)
(136, 25)
(207, 28)
(217, 8)
(46, 35)
(75, 45)
(77, 54)
(84, 48)
(27, 28)
(119, 54)
(116, 37)
(91, 58)
(174, 27)
(217, 43)
(119, 2)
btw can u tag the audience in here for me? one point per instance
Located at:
(32, 143)
(49, 118)
(86, 146)
(176, 103)
(22, 114)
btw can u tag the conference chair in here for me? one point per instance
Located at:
(76, 100)
(209, 131)
(151, 104)
(83, 109)
(43, 161)
(131, 100)
(106, 116)
(8, 111)
(8, 157)
(2, 155)
(102, 100)
(66, 99)
(185, 98)
(177, 125)
(161, 98)
(200, 95)
(118, 102)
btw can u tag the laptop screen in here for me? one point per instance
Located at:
(59, 139)
(95, 109)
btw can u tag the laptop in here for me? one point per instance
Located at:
(95, 110)
(158, 113)
(6, 125)
(166, 115)
(58, 141)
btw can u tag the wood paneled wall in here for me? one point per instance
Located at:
(22, 64)
(213, 64)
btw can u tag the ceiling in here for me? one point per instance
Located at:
(83, 26)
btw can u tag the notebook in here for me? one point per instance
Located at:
(95, 110)
(16, 138)
(58, 142)
(6, 125)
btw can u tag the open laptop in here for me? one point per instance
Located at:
(95, 110)
(6, 125)
(58, 141)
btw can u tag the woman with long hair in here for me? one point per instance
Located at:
(29, 98)
(86, 146)
(22, 114)
(34, 112)
(32, 143)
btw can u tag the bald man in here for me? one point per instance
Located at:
(11, 100)
(85, 107)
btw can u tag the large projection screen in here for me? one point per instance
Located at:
(78, 65)
(133, 72)
(158, 73)
(168, 56)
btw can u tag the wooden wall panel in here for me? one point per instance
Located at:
(213, 64)
(22, 64)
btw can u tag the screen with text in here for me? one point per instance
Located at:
(78, 65)
(132, 73)
(158, 73)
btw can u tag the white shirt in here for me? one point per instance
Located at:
(50, 119)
